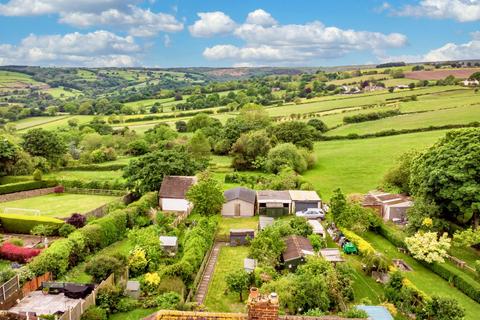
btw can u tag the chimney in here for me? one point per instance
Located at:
(262, 307)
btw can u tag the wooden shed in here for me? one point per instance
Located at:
(240, 237)
(297, 249)
(239, 202)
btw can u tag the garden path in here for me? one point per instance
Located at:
(207, 273)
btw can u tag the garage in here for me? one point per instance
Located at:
(302, 199)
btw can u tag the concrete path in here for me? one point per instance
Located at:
(208, 273)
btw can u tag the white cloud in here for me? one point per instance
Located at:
(448, 52)
(99, 48)
(212, 23)
(298, 43)
(167, 42)
(121, 14)
(261, 17)
(460, 10)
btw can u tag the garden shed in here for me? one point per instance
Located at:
(133, 289)
(239, 237)
(390, 207)
(169, 244)
(239, 202)
(331, 255)
(264, 221)
(304, 199)
(317, 227)
(172, 195)
(297, 248)
(249, 265)
(274, 203)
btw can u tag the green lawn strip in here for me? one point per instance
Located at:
(59, 204)
(230, 259)
(422, 278)
(77, 274)
(132, 315)
(357, 166)
(236, 223)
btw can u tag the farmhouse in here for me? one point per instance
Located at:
(390, 207)
(240, 202)
(470, 83)
(274, 203)
(297, 248)
(302, 200)
(173, 193)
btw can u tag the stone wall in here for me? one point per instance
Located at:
(26, 194)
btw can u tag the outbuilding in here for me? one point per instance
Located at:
(304, 199)
(331, 255)
(317, 227)
(264, 221)
(296, 251)
(169, 244)
(172, 195)
(240, 237)
(239, 202)
(390, 207)
(274, 203)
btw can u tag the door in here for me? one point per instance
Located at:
(302, 205)
(237, 209)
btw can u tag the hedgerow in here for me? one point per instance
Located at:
(25, 186)
(96, 167)
(371, 116)
(19, 223)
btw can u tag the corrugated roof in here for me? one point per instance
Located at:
(303, 195)
(176, 187)
(297, 247)
(273, 195)
(240, 193)
(168, 241)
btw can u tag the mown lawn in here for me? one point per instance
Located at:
(357, 166)
(230, 259)
(59, 205)
(132, 315)
(236, 223)
(423, 278)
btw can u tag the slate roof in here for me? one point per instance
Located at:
(269, 195)
(297, 247)
(176, 187)
(240, 193)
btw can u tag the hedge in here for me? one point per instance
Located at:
(25, 186)
(19, 223)
(390, 235)
(96, 167)
(463, 283)
(105, 185)
(364, 247)
(363, 117)
(100, 233)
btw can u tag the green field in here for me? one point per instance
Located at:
(8, 77)
(87, 175)
(230, 259)
(424, 279)
(60, 92)
(460, 115)
(357, 166)
(59, 205)
(236, 223)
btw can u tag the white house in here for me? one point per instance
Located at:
(470, 83)
(172, 195)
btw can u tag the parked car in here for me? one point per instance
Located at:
(311, 213)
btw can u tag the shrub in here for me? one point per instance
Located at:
(364, 248)
(127, 304)
(137, 262)
(25, 186)
(169, 284)
(43, 230)
(138, 147)
(362, 117)
(94, 313)
(16, 241)
(17, 223)
(100, 267)
(108, 298)
(11, 252)
(353, 312)
(37, 175)
(65, 230)
(77, 220)
(169, 300)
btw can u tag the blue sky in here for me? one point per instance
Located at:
(165, 33)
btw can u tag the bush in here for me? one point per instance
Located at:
(168, 301)
(25, 186)
(96, 167)
(364, 248)
(100, 267)
(108, 298)
(16, 241)
(77, 220)
(65, 230)
(137, 261)
(362, 117)
(37, 175)
(11, 252)
(94, 313)
(17, 223)
(354, 313)
(127, 304)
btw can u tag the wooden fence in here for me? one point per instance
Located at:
(10, 291)
(76, 312)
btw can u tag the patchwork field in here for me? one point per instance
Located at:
(58, 205)
(441, 74)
